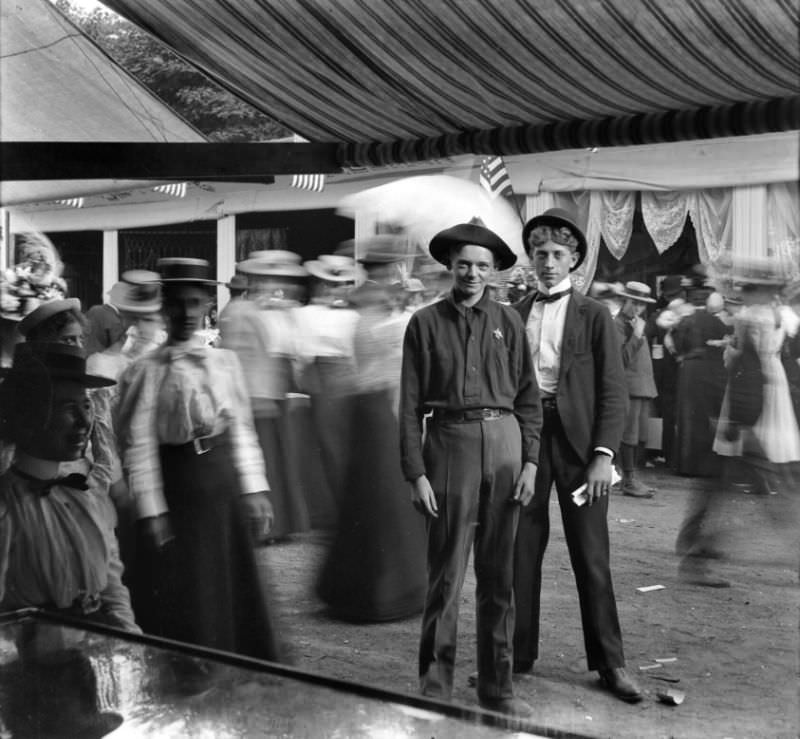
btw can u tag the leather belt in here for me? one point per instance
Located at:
(469, 415)
(201, 444)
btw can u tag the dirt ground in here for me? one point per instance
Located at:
(735, 650)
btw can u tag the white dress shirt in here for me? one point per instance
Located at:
(545, 329)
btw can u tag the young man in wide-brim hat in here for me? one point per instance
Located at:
(578, 367)
(466, 359)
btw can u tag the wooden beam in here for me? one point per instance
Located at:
(72, 160)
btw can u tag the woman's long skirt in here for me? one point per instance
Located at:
(376, 569)
(701, 385)
(204, 587)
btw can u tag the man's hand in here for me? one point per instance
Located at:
(598, 477)
(259, 514)
(156, 532)
(423, 498)
(638, 324)
(526, 482)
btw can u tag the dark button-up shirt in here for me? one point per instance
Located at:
(458, 358)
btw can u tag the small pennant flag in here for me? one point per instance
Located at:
(175, 190)
(494, 177)
(315, 182)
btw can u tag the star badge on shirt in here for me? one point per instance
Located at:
(498, 334)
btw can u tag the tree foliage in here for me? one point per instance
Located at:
(214, 111)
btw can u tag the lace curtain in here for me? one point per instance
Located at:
(730, 224)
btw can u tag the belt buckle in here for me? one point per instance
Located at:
(198, 446)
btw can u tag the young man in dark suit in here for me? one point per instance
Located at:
(578, 367)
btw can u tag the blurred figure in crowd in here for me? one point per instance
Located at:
(196, 473)
(375, 568)
(137, 297)
(665, 365)
(639, 380)
(757, 430)
(264, 337)
(105, 327)
(326, 357)
(57, 544)
(699, 339)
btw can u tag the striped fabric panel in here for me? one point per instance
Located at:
(366, 71)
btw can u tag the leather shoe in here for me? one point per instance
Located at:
(509, 706)
(617, 680)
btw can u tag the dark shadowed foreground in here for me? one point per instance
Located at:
(734, 651)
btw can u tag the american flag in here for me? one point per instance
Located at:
(494, 177)
(315, 182)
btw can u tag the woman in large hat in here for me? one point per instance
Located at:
(196, 474)
(770, 440)
(57, 544)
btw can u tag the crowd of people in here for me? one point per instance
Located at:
(144, 458)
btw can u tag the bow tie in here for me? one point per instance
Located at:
(552, 297)
(196, 353)
(74, 480)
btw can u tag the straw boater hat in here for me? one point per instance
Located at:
(476, 234)
(60, 361)
(277, 256)
(185, 269)
(557, 218)
(263, 264)
(45, 311)
(137, 292)
(332, 268)
(637, 291)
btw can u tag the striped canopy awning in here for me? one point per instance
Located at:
(405, 80)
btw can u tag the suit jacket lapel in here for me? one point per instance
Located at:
(573, 326)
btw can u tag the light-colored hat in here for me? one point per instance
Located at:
(413, 285)
(45, 311)
(137, 292)
(257, 267)
(332, 268)
(637, 291)
(605, 290)
(275, 256)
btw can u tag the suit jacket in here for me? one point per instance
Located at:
(592, 396)
(636, 361)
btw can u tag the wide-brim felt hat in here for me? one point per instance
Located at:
(475, 233)
(185, 269)
(637, 291)
(332, 268)
(45, 310)
(558, 218)
(136, 297)
(59, 361)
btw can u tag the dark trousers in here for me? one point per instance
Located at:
(472, 468)
(586, 532)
